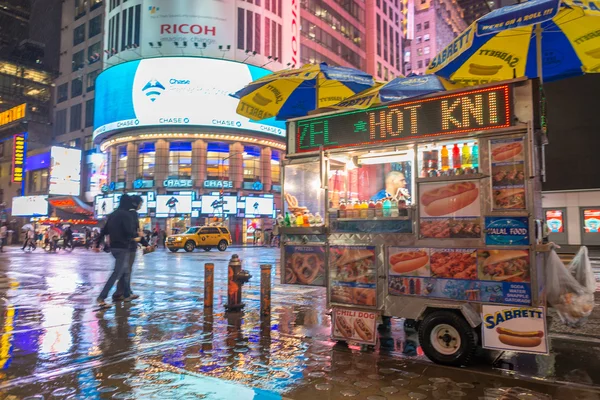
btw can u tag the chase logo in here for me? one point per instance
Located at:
(153, 9)
(153, 89)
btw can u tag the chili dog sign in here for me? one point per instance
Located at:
(520, 329)
(354, 325)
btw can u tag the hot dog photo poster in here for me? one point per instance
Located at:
(508, 174)
(304, 265)
(354, 325)
(450, 210)
(521, 329)
(353, 275)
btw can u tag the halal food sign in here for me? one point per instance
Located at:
(437, 116)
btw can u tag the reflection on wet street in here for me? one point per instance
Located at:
(56, 344)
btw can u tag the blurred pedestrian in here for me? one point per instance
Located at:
(29, 238)
(154, 238)
(3, 237)
(122, 231)
(163, 238)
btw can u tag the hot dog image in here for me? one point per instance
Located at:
(408, 261)
(363, 330)
(520, 339)
(449, 198)
(342, 325)
(507, 152)
(477, 69)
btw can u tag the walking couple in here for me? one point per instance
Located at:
(122, 228)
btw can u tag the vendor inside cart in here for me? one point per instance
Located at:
(395, 188)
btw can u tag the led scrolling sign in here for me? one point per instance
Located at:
(461, 112)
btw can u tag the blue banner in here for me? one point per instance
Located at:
(524, 14)
(507, 231)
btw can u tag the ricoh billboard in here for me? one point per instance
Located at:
(175, 91)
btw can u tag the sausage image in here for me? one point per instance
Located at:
(449, 199)
(408, 261)
(342, 325)
(477, 69)
(507, 152)
(520, 339)
(363, 330)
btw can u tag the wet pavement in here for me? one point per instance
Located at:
(55, 344)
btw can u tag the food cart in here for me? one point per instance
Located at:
(430, 211)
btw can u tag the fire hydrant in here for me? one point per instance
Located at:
(236, 277)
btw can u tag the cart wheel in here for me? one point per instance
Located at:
(447, 338)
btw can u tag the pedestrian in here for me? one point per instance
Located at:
(124, 286)
(122, 231)
(29, 236)
(163, 238)
(3, 236)
(68, 237)
(154, 238)
(88, 237)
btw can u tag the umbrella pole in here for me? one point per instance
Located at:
(538, 49)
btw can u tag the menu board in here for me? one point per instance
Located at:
(488, 276)
(554, 220)
(450, 210)
(353, 275)
(304, 265)
(508, 174)
(591, 221)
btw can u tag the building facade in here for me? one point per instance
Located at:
(436, 24)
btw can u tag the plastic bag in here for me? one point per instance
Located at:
(573, 299)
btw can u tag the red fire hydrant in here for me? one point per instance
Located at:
(236, 277)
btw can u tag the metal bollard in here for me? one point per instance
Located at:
(209, 284)
(236, 277)
(265, 289)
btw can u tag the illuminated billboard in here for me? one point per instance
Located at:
(259, 206)
(175, 91)
(104, 206)
(30, 206)
(65, 171)
(172, 205)
(218, 205)
(18, 157)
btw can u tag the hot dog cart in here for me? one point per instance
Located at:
(424, 209)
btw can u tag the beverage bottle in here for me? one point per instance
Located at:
(300, 220)
(371, 210)
(475, 156)
(356, 210)
(379, 209)
(394, 209)
(466, 156)
(287, 220)
(455, 156)
(387, 208)
(445, 160)
(364, 210)
(305, 219)
(342, 210)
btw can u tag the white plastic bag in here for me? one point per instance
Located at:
(572, 299)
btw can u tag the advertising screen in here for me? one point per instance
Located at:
(591, 220)
(216, 205)
(104, 206)
(171, 91)
(65, 171)
(259, 206)
(554, 220)
(172, 205)
(30, 206)
(98, 173)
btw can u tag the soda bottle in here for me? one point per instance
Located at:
(379, 209)
(455, 156)
(364, 210)
(371, 214)
(475, 156)
(394, 209)
(300, 220)
(306, 219)
(342, 210)
(287, 220)
(387, 208)
(466, 156)
(445, 160)
(356, 210)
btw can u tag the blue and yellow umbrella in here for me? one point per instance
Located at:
(294, 93)
(549, 39)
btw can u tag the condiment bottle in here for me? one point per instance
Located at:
(342, 210)
(371, 210)
(394, 209)
(387, 208)
(379, 209)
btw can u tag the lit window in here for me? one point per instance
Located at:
(426, 50)
(217, 161)
(180, 160)
(121, 163)
(146, 160)
(252, 171)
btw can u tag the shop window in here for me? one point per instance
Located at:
(95, 26)
(217, 161)
(121, 163)
(252, 164)
(76, 87)
(78, 62)
(146, 160)
(79, 9)
(180, 160)
(93, 52)
(275, 167)
(62, 92)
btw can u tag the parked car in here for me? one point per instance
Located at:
(204, 237)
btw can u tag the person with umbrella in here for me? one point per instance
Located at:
(29, 236)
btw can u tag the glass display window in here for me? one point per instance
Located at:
(448, 158)
(303, 192)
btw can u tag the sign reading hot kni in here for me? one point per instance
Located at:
(18, 161)
(455, 113)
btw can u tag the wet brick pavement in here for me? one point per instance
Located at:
(56, 345)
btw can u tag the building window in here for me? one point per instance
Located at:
(419, 51)
(79, 35)
(37, 181)
(419, 64)
(180, 160)
(426, 50)
(88, 143)
(91, 80)
(75, 124)
(386, 74)
(426, 25)
(257, 33)
(62, 92)
(60, 122)
(78, 62)
(93, 52)
(427, 61)
(378, 35)
(426, 37)
(378, 69)
(252, 164)
(121, 163)
(146, 160)
(418, 40)
(76, 87)
(89, 113)
(418, 27)
(79, 9)
(95, 4)
(217, 161)
(241, 29)
(275, 167)
(385, 40)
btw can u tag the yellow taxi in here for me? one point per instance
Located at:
(204, 237)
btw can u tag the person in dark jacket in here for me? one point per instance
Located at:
(121, 229)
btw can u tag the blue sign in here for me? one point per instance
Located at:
(507, 231)
(143, 184)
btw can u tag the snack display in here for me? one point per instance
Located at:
(505, 265)
(454, 263)
(304, 265)
(353, 275)
(293, 206)
(449, 198)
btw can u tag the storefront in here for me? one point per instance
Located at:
(177, 139)
(573, 216)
